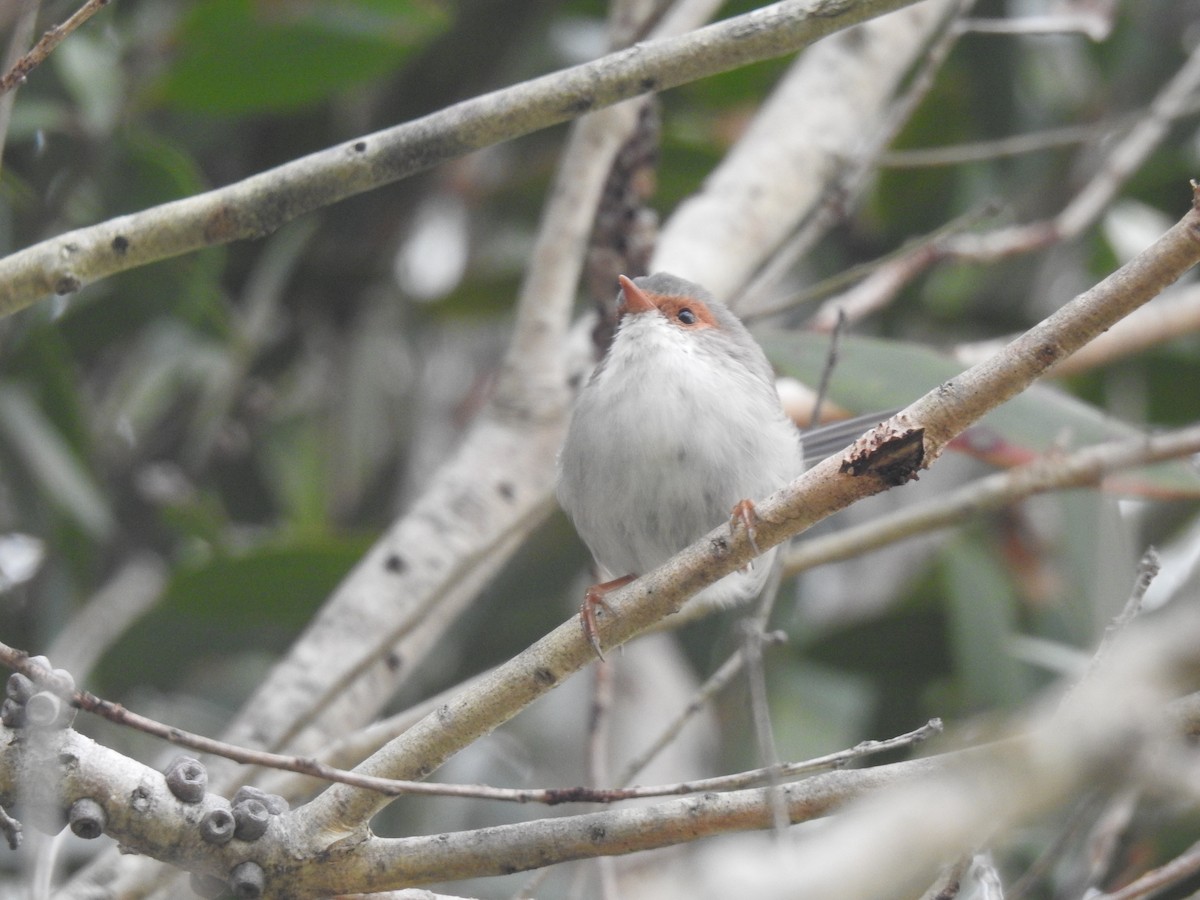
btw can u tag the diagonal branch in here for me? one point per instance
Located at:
(262, 203)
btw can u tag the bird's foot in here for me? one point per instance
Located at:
(595, 598)
(746, 515)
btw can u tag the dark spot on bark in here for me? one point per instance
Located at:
(120, 244)
(597, 833)
(570, 795)
(648, 84)
(579, 106)
(394, 661)
(395, 563)
(892, 454)
(1047, 354)
(506, 490)
(139, 800)
(221, 226)
(544, 676)
(67, 284)
(360, 146)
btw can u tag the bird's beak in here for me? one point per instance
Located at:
(633, 298)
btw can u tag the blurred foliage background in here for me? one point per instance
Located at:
(217, 438)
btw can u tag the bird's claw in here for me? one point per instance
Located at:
(745, 514)
(595, 597)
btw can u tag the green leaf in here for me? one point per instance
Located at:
(241, 56)
(982, 619)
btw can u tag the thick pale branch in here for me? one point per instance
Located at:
(260, 204)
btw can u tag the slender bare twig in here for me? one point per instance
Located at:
(44, 47)
(1093, 25)
(1129, 153)
(999, 148)
(1084, 467)
(47, 679)
(760, 714)
(831, 360)
(1078, 819)
(11, 829)
(949, 882)
(600, 725)
(1183, 866)
(844, 281)
(713, 685)
(1147, 571)
(22, 33)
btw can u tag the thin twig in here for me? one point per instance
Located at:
(760, 714)
(1094, 26)
(949, 882)
(1085, 467)
(20, 661)
(43, 48)
(861, 272)
(600, 725)
(1083, 813)
(19, 39)
(1131, 151)
(831, 360)
(712, 686)
(1183, 866)
(1148, 569)
(11, 829)
(999, 148)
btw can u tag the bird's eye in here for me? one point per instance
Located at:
(686, 316)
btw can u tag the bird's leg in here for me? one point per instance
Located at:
(745, 514)
(593, 598)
